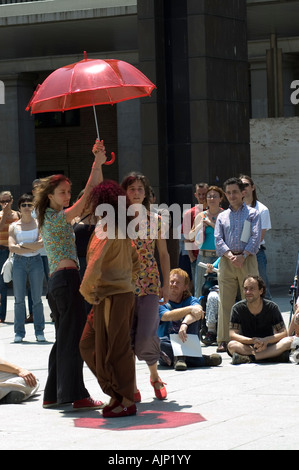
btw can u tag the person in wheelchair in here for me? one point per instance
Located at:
(210, 303)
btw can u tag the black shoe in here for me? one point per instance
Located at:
(209, 339)
(12, 398)
(240, 359)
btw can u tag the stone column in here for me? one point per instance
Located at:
(196, 125)
(17, 141)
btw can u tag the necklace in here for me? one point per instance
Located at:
(214, 217)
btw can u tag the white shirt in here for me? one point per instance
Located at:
(265, 217)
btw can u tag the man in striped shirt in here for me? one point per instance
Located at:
(237, 240)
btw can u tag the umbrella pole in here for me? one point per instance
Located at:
(98, 134)
(96, 121)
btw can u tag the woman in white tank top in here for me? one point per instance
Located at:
(25, 243)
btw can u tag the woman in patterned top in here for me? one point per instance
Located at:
(65, 376)
(148, 289)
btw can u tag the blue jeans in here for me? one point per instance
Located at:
(262, 265)
(3, 287)
(31, 267)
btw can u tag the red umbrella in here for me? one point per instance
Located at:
(89, 82)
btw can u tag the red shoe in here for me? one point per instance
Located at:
(137, 396)
(110, 407)
(131, 410)
(49, 404)
(88, 404)
(160, 393)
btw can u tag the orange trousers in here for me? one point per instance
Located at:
(106, 347)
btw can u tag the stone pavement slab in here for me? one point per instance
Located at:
(244, 407)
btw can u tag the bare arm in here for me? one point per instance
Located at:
(234, 335)
(14, 247)
(19, 371)
(189, 314)
(95, 177)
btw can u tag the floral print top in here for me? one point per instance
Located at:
(59, 238)
(148, 281)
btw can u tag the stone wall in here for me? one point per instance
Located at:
(275, 171)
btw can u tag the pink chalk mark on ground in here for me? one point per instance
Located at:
(149, 419)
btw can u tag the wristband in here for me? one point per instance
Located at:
(184, 323)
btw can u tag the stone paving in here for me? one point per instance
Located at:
(244, 407)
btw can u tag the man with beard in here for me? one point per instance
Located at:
(181, 315)
(257, 329)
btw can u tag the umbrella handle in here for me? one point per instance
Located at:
(109, 162)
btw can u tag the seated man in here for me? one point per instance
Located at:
(181, 315)
(257, 330)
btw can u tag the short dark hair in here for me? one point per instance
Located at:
(234, 180)
(260, 281)
(27, 197)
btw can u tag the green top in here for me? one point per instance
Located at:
(59, 238)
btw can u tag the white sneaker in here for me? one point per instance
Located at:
(40, 338)
(18, 339)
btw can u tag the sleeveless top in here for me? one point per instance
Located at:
(26, 236)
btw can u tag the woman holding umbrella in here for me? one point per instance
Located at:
(65, 375)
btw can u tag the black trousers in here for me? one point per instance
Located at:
(65, 373)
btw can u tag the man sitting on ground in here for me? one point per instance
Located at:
(257, 329)
(181, 315)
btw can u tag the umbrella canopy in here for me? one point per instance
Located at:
(89, 82)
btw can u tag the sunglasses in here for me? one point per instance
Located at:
(26, 204)
(5, 202)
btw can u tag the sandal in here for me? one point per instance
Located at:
(160, 393)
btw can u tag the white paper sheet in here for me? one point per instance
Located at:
(246, 232)
(191, 347)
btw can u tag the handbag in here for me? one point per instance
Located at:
(6, 270)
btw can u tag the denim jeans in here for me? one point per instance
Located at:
(262, 264)
(3, 286)
(31, 267)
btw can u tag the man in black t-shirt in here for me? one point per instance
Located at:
(257, 330)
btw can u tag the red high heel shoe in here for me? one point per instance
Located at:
(126, 411)
(160, 393)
